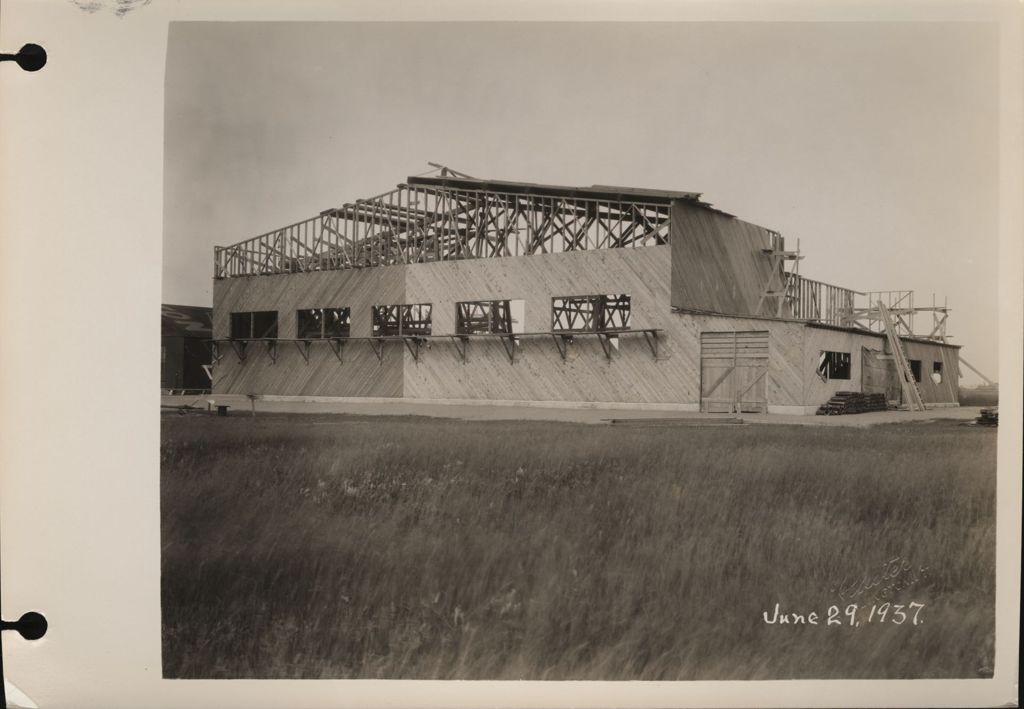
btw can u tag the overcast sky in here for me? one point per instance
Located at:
(876, 145)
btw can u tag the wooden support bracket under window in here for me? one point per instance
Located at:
(510, 342)
(413, 345)
(239, 347)
(303, 348)
(378, 348)
(562, 342)
(461, 346)
(651, 336)
(337, 345)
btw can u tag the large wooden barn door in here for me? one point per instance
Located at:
(733, 372)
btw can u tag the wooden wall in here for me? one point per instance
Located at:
(361, 373)
(817, 339)
(539, 372)
(878, 375)
(945, 392)
(784, 384)
(717, 264)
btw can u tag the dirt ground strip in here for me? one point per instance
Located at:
(241, 405)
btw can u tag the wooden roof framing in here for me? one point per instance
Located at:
(455, 217)
(441, 219)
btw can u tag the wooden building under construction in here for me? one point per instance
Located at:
(451, 288)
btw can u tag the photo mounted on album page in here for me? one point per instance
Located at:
(637, 355)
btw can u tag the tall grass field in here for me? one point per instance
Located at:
(401, 547)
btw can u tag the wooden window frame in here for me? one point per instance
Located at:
(344, 318)
(402, 320)
(250, 330)
(597, 312)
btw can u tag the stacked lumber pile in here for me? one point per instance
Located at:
(988, 417)
(852, 402)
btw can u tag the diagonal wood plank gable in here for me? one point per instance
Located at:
(717, 264)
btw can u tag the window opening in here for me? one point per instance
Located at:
(319, 323)
(256, 325)
(834, 365)
(590, 313)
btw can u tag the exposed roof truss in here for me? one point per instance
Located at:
(443, 219)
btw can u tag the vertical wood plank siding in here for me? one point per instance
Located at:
(734, 367)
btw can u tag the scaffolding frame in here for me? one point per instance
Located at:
(898, 308)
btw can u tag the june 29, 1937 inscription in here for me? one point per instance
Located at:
(851, 616)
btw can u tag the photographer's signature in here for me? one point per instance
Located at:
(893, 576)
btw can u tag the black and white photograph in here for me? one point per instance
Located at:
(508, 379)
(609, 354)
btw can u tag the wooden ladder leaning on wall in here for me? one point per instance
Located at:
(911, 394)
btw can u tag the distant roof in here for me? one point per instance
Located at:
(606, 192)
(185, 321)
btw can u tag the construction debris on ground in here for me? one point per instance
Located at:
(852, 402)
(988, 417)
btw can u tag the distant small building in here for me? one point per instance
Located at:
(185, 332)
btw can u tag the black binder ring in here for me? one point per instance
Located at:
(30, 626)
(31, 57)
